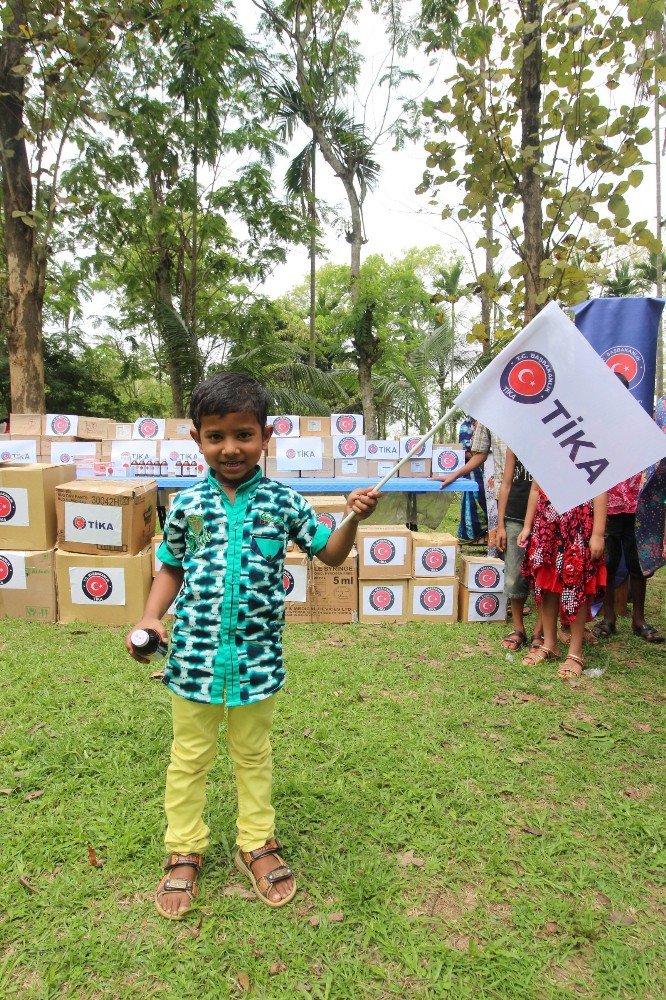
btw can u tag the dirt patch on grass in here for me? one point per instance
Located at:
(448, 905)
(573, 972)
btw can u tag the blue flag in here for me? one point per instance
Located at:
(624, 332)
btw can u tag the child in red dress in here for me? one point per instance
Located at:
(565, 561)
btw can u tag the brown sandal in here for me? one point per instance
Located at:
(263, 884)
(566, 673)
(537, 655)
(186, 885)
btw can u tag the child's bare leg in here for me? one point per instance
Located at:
(573, 664)
(550, 609)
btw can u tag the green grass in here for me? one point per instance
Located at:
(388, 740)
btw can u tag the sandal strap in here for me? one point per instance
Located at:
(270, 847)
(264, 882)
(173, 860)
(178, 885)
(576, 659)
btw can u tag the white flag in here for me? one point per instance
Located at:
(565, 414)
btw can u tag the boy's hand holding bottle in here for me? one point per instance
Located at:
(143, 635)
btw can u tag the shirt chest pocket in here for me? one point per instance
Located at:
(268, 545)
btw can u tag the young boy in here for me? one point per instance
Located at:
(223, 556)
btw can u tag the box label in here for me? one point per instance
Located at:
(438, 560)
(123, 453)
(12, 571)
(382, 599)
(407, 443)
(485, 578)
(148, 428)
(382, 449)
(315, 424)
(19, 451)
(305, 454)
(285, 425)
(346, 423)
(383, 468)
(349, 446)
(417, 465)
(68, 453)
(90, 522)
(349, 466)
(295, 580)
(447, 460)
(90, 585)
(14, 506)
(486, 607)
(331, 519)
(177, 453)
(430, 599)
(61, 425)
(385, 551)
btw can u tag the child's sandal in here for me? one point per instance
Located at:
(186, 885)
(566, 673)
(263, 884)
(537, 655)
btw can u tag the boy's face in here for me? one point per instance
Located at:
(232, 445)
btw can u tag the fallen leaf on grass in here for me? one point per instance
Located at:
(307, 732)
(276, 968)
(244, 981)
(532, 830)
(93, 859)
(623, 919)
(40, 725)
(642, 727)
(336, 918)
(80, 632)
(24, 880)
(524, 696)
(314, 921)
(157, 676)
(238, 890)
(551, 927)
(6, 791)
(196, 931)
(408, 858)
(32, 795)
(603, 899)
(632, 793)
(518, 760)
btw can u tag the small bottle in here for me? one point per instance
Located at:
(192, 469)
(146, 642)
(164, 468)
(179, 466)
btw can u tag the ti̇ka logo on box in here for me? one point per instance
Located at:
(487, 605)
(434, 560)
(346, 423)
(6, 455)
(372, 449)
(627, 361)
(7, 507)
(432, 598)
(381, 599)
(97, 586)
(288, 582)
(447, 461)
(486, 577)
(382, 551)
(528, 378)
(283, 426)
(6, 570)
(148, 428)
(61, 424)
(348, 447)
(409, 444)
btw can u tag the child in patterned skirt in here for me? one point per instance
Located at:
(565, 562)
(222, 558)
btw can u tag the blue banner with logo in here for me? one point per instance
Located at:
(624, 332)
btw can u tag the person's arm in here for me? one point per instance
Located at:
(162, 594)
(477, 459)
(505, 489)
(598, 527)
(360, 502)
(532, 502)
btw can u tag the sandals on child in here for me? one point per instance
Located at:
(516, 640)
(186, 885)
(568, 673)
(537, 655)
(263, 884)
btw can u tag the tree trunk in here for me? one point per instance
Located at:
(164, 294)
(659, 380)
(486, 305)
(23, 263)
(531, 185)
(312, 219)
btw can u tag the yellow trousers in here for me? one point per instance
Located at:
(195, 730)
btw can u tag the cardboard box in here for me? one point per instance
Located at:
(74, 452)
(300, 454)
(382, 449)
(415, 468)
(351, 468)
(315, 427)
(336, 591)
(178, 428)
(327, 470)
(435, 600)
(329, 510)
(104, 589)
(298, 590)
(21, 450)
(285, 425)
(27, 505)
(27, 585)
(407, 443)
(93, 428)
(485, 606)
(384, 551)
(349, 446)
(481, 573)
(132, 455)
(378, 468)
(60, 425)
(119, 431)
(155, 563)
(273, 472)
(447, 458)
(346, 423)
(383, 601)
(180, 457)
(26, 424)
(148, 429)
(434, 554)
(106, 515)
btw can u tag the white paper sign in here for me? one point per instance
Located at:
(484, 576)
(91, 585)
(383, 598)
(349, 466)
(435, 560)
(285, 425)
(14, 508)
(407, 443)
(305, 454)
(382, 449)
(346, 423)
(24, 452)
(385, 550)
(486, 607)
(430, 599)
(383, 468)
(61, 425)
(445, 460)
(349, 446)
(148, 428)
(176, 453)
(122, 452)
(12, 571)
(295, 579)
(91, 522)
(68, 452)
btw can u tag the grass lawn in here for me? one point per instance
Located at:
(461, 825)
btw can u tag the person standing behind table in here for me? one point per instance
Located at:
(223, 554)
(514, 494)
(473, 514)
(651, 509)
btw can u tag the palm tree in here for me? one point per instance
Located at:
(449, 289)
(625, 280)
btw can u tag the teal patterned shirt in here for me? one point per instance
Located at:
(226, 646)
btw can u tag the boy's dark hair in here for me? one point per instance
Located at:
(229, 392)
(623, 379)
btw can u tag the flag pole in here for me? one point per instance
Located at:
(421, 441)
